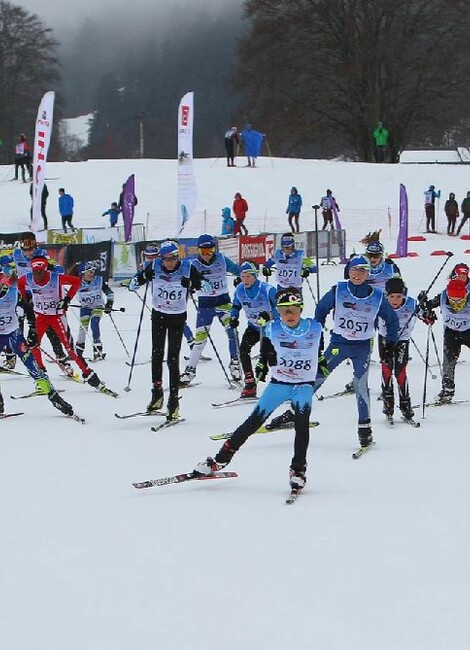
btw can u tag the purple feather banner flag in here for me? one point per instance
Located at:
(402, 242)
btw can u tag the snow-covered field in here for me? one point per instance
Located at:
(373, 556)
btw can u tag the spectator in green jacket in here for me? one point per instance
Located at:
(381, 142)
(465, 207)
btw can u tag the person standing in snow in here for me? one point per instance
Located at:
(228, 223)
(23, 158)
(465, 212)
(66, 209)
(327, 203)
(231, 140)
(451, 209)
(294, 206)
(44, 196)
(253, 141)
(113, 214)
(240, 208)
(381, 136)
(430, 197)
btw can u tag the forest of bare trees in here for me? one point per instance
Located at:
(315, 75)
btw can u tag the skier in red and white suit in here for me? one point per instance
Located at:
(46, 290)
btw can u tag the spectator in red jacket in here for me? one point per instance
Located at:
(240, 208)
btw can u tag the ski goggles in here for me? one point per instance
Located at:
(206, 251)
(28, 244)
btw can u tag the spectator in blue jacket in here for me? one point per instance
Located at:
(113, 214)
(66, 209)
(228, 222)
(293, 209)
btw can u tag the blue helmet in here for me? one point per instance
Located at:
(375, 248)
(249, 267)
(287, 241)
(151, 251)
(87, 266)
(169, 249)
(359, 262)
(206, 241)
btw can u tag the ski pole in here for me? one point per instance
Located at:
(128, 387)
(122, 309)
(317, 254)
(426, 363)
(424, 294)
(237, 345)
(436, 352)
(64, 368)
(433, 376)
(311, 292)
(230, 382)
(119, 335)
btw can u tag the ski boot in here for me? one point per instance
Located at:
(365, 434)
(249, 390)
(221, 460)
(283, 421)
(188, 375)
(43, 386)
(406, 410)
(92, 378)
(156, 402)
(172, 408)
(349, 388)
(59, 403)
(388, 402)
(10, 361)
(80, 349)
(297, 478)
(445, 396)
(65, 365)
(234, 367)
(207, 467)
(98, 352)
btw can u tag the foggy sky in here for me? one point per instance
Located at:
(57, 13)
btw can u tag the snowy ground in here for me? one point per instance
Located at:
(373, 556)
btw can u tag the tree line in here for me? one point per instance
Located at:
(315, 75)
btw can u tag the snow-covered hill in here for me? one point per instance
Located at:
(373, 556)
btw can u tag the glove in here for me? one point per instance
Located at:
(422, 298)
(322, 368)
(185, 282)
(32, 339)
(236, 282)
(428, 317)
(263, 318)
(261, 370)
(63, 304)
(108, 308)
(133, 284)
(234, 322)
(305, 273)
(267, 272)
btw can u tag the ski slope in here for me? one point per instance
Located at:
(372, 556)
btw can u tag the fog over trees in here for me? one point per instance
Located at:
(315, 75)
